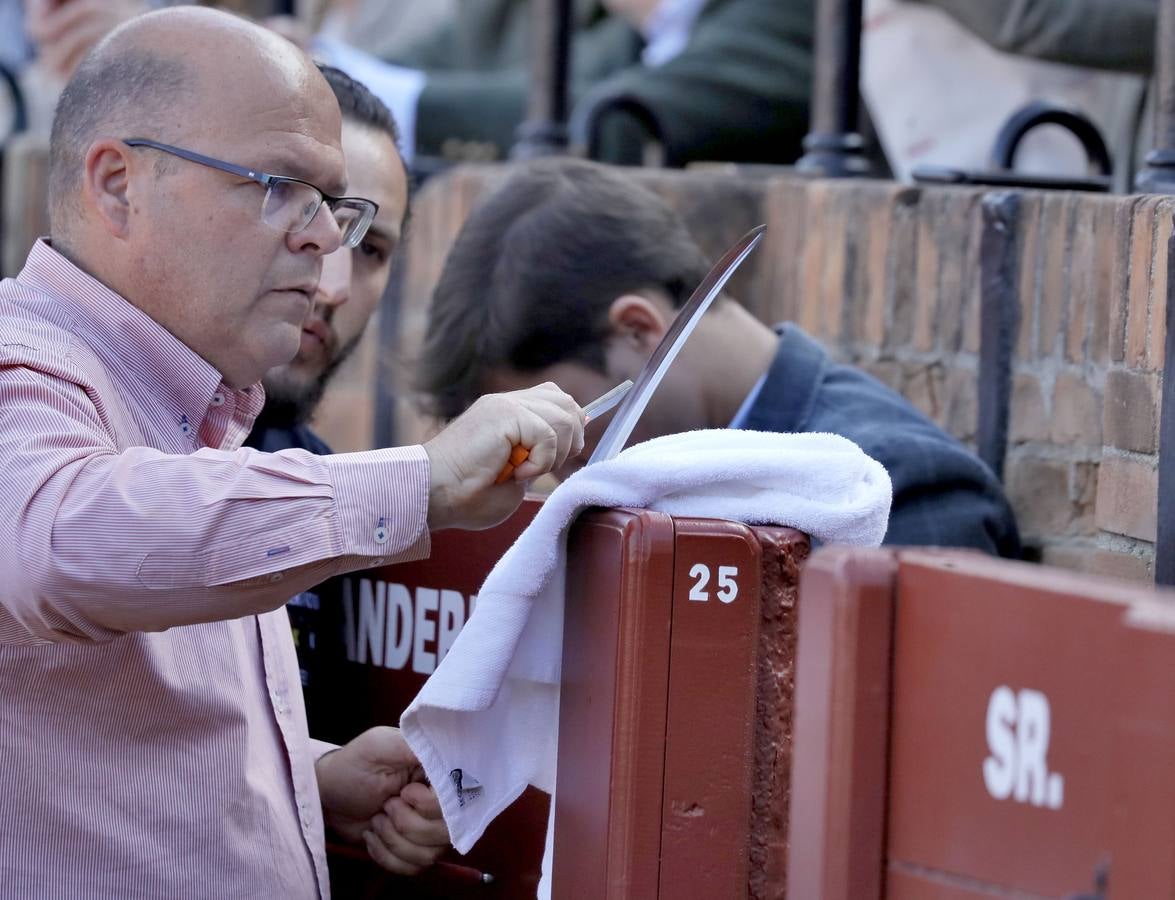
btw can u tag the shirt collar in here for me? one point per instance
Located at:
(129, 340)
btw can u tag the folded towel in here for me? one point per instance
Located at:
(485, 725)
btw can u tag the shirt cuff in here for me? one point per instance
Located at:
(319, 749)
(381, 503)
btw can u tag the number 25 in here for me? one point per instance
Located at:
(727, 586)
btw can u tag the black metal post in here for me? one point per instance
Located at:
(999, 324)
(1165, 536)
(544, 132)
(1158, 174)
(834, 147)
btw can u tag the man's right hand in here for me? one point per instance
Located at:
(467, 456)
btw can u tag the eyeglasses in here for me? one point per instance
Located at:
(290, 204)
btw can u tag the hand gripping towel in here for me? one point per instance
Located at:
(485, 725)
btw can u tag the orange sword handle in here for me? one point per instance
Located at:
(518, 456)
(593, 410)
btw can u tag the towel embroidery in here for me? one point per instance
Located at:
(466, 785)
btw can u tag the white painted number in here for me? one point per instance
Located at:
(727, 586)
(698, 591)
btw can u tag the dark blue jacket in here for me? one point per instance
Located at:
(944, 495)
(299, 437)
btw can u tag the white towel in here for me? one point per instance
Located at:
(485, 725)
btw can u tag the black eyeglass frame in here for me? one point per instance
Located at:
(267, 181)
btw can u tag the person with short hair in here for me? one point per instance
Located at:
(353, 278)
(154, 738)
(572, 272)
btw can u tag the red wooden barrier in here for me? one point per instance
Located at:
(675, 714)
(968, 728)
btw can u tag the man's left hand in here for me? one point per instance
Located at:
(373, 792)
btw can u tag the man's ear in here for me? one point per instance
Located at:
(638, 321)
(106, 179)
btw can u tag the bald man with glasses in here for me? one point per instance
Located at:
(154, 740)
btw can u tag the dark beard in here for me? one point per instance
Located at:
(288, 409)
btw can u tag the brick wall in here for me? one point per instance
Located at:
(888, 277)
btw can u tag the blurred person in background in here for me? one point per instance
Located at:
(352, 282)
(1092, 56)
(353, 278)
(727, 79)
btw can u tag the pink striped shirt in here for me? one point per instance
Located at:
(152, 736)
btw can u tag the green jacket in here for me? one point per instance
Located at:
(738, 91)
(1100, 34)
(479, 70)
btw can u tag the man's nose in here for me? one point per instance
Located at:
(321, 237)
(334, 287)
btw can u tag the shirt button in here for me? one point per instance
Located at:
(218, 399)
(381, 534)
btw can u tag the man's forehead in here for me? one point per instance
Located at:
(376, 172)
(297, 155)
(287, 124)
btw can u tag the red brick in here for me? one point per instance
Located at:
(831, 296)
(787, 225)
(1077, 414)
(962, 226)
(1038, 490)
(1121, 564)
(1126, 497)
(1055, 232)
(1157, 332)
(926, 288)
(1083, 256)
(1108, 274)
(878, 257)
(1141, 276)
(815, 236)
(878, 222)
(856, 289)
(903, 243)
(962, 404)
(1027, 421)
(1031, 212)
(1130, 410)
(1123, 237)
(1083, 477)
